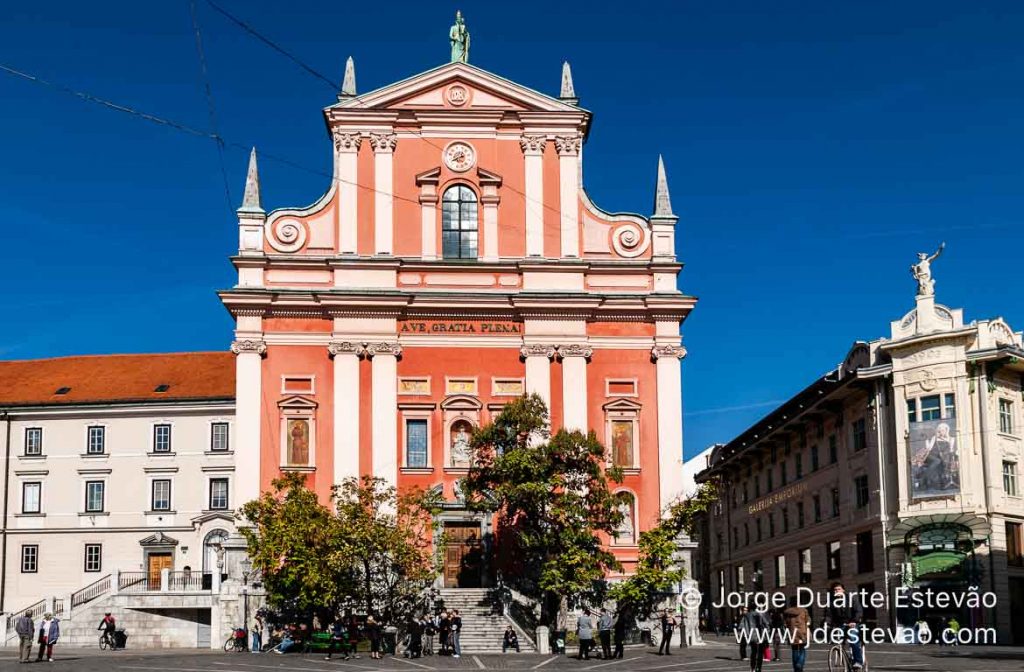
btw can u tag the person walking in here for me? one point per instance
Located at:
(257, 635)
(585, 633)
(668, 624)
(604, 631)
(49, 633)
(25, 629)
(619, 630)
(456, 634)
(415, 638)
(339, 639)
(777, 625)
(741, 635)
(797, 623)
(373, 634)
(755, 624)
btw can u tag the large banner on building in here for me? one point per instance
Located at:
(934, 459)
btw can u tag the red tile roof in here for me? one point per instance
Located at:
(114, 378)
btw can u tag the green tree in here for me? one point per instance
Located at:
(552, 498)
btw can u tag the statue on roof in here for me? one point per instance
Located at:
(459, 37)
(922, 271)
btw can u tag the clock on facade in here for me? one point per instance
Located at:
(459, 156)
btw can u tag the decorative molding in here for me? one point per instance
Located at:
(383, 142)
(630, 240)
(249, 346)
(575, 350)
(345, 348)
(533, 143)
(286, 234)
(659, 351)
(537, 350)
(567, 144)
(383, 348)
(347, 141)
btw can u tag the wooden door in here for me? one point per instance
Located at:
(462, 555)
(158, 562)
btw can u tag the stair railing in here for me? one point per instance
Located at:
(94, 590)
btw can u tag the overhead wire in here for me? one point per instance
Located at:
(211, 108)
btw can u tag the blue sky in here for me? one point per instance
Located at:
(812, 148)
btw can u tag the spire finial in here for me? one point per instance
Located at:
(662, 202)
(568, 92)
(348, 85)
(251, 200)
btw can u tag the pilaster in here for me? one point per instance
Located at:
(346, 171)
(346, 356)
(533, 149)
(574, 385)
(670, 421)
(383, 178)
(538, 369)
(249, 354)
(384, 425)
(568, 148)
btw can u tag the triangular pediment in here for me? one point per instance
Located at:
(622, 405)
(297, 402)
(457, 86)
(159, 539)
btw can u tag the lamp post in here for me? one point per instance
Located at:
(246, 567)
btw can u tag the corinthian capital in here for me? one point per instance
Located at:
(345, 348)
(249, 346)
(567, 145)
(383, 142)
(533, 144)
(575, 350)
(659, 351)
(347, 141)
(384, 348)
(537, 350)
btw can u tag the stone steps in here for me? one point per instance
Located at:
(482, 621)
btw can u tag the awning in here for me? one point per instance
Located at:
(980, 527)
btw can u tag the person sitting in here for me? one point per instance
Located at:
(510, 640)
(287, 640)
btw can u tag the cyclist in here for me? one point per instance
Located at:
(846, 612)
(109, 625)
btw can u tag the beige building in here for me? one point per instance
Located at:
(897, 472)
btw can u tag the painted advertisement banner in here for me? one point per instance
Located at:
(934, 459)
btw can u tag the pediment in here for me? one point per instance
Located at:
(461, 402)
(622, 405)
(159, 540)
(297, 402)
(457, 86)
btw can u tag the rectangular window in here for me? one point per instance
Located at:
(161, 497)
(93, 557)
(739, 578)
(1010, 479)
(774, 452)
(860, 435)
(29, 559)
(911, 411)
(865, 553)
(782, 474)
(770, 485)
(780, 571)
(785, 519)
(835, 569)
(416, 443)
(219, 436)
(799, 465)
(218, 494)
(800, 514)
(297, 385)
(757, 576)
(860, 487)
(1014, 545)
(621, 388)
(31, 497)
(735, 537)
(833, 449)
(1006, 416)
(94, 493)
(805, 565)
(771, 525)
(814, 457)
(161, 438)
(757, 486)
(746, 534)
(97, 441)
(835, 502)
(33, 440)
(949, 406)
(757, 523)
(816, 500)
(931, 408)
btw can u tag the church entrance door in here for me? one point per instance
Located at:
(463, 555)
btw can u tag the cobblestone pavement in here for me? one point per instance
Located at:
(718, 655)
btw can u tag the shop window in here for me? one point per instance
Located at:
(757, 576)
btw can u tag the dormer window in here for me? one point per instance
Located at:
(62, 390)
(459, 229)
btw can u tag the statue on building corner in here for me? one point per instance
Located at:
(459, 37)
(922, 271)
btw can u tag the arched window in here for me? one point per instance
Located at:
(459, 223)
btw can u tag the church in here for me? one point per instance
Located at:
(455, 262)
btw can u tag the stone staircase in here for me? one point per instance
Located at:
(482, 621)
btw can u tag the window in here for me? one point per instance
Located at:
(735, 537)
(835, 502)
(785, 519)
(769, 486)
(29, 559)
(835, 569)
(865, 553)
(800, 514)
(94, 492)
(297, 385)
(860, 487)
(161, 438)
(746, 534)
(218, 494)
(931, 408)
(833, 449)
(739, 578)
(1014, 545)
(757, 576)
(757, 486)
(774, 453)
(911, 411)
(805, 565)
(757, 523)
(620, 388)
(161, 497)
(31, 497)
(814, 457)
(746, 498)
(459, 223)
(860, 435)
(93, 557)
(780, 571)
(1010, 479)
(219, 436)
(1006, 416)
(97, 441)
(782, 474)
(416, 443)
(816, 501)
(33, 440)
(949, 406)
(799, 465)
(771, 525)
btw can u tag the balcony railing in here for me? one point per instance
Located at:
(187, 581)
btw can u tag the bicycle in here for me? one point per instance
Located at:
(236, 642)
(107, 641)
(840, 658)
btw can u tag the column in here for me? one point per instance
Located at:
(383, 175)
(347, 173)
(346, 408)
(248, 391)
(538, 370)
(384, 426)
(670, 421)
(574, 385)
(568, 180)
(533, 149)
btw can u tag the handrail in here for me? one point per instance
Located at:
(36, 610)
(91, 592)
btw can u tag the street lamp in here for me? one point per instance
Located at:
(246, 567)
